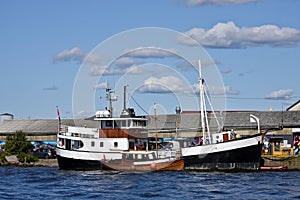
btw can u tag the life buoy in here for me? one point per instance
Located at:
(153, 166)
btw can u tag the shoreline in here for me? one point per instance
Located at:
(40, 163)
(290, 164)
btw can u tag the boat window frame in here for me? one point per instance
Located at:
(101, 144)
(116, 144)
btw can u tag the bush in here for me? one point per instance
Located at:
(26, 157)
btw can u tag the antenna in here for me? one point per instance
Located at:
(110, 96)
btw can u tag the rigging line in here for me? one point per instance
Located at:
(131, 97)
(139, 105)
(207, 94)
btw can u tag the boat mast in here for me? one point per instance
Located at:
(124, 102)
(201, 95)
(155, 126)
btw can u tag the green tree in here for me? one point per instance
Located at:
(18, 144)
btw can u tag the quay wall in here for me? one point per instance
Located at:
(292, 162)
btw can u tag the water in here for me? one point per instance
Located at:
(51, 183)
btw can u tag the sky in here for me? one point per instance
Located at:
(46, 47)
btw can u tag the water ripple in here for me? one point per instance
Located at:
(51, 183)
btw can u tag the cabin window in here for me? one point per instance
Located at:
(117, 124)
(115, 144)
(144, 157)
(77, 144)
(101, 144)
(107, 124)
(93, 143)
(123, 123)
(129, 157)
(138, 123)
(151, 156)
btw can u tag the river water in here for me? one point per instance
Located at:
(51, 183)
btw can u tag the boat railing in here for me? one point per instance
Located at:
(83, 132)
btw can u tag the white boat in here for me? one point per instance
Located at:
(81, 148)
(222, 150)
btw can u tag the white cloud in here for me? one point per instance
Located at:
(101, 86)
(217, 2)
(124, 61)
(97, 70)
(166, 84)
(150, 52)
(280, 94)
(75, 54)
(217, 90)
(194, 64)
(229, 90)
(169, 84)
(134, 69)
(83, 114)
(228, 35)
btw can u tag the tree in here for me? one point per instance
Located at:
(17, 143)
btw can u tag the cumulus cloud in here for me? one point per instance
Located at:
(216, 2)
(101, 86)
(83, 114)
(229, 90)
(166, 84)
(228, 35)
(169, 84)
(150, 52)
(127, 63)
(74, 54)
(217, 90)
(124, 62)
(97, 70)
(280, 94)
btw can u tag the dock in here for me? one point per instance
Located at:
(281, 162)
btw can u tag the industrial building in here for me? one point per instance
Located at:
(283, 123)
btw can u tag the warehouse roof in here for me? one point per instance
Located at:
(41, 126)
(232, 120)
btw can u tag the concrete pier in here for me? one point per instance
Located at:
(291, 162)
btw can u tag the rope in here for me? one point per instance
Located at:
(139, 105)
(282, 159)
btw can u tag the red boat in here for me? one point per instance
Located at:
(143, 161)
(274, 168)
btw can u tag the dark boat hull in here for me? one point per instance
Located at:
(78, 164)
(246, 158)
(238, 154)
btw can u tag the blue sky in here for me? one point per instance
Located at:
(254, 43)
